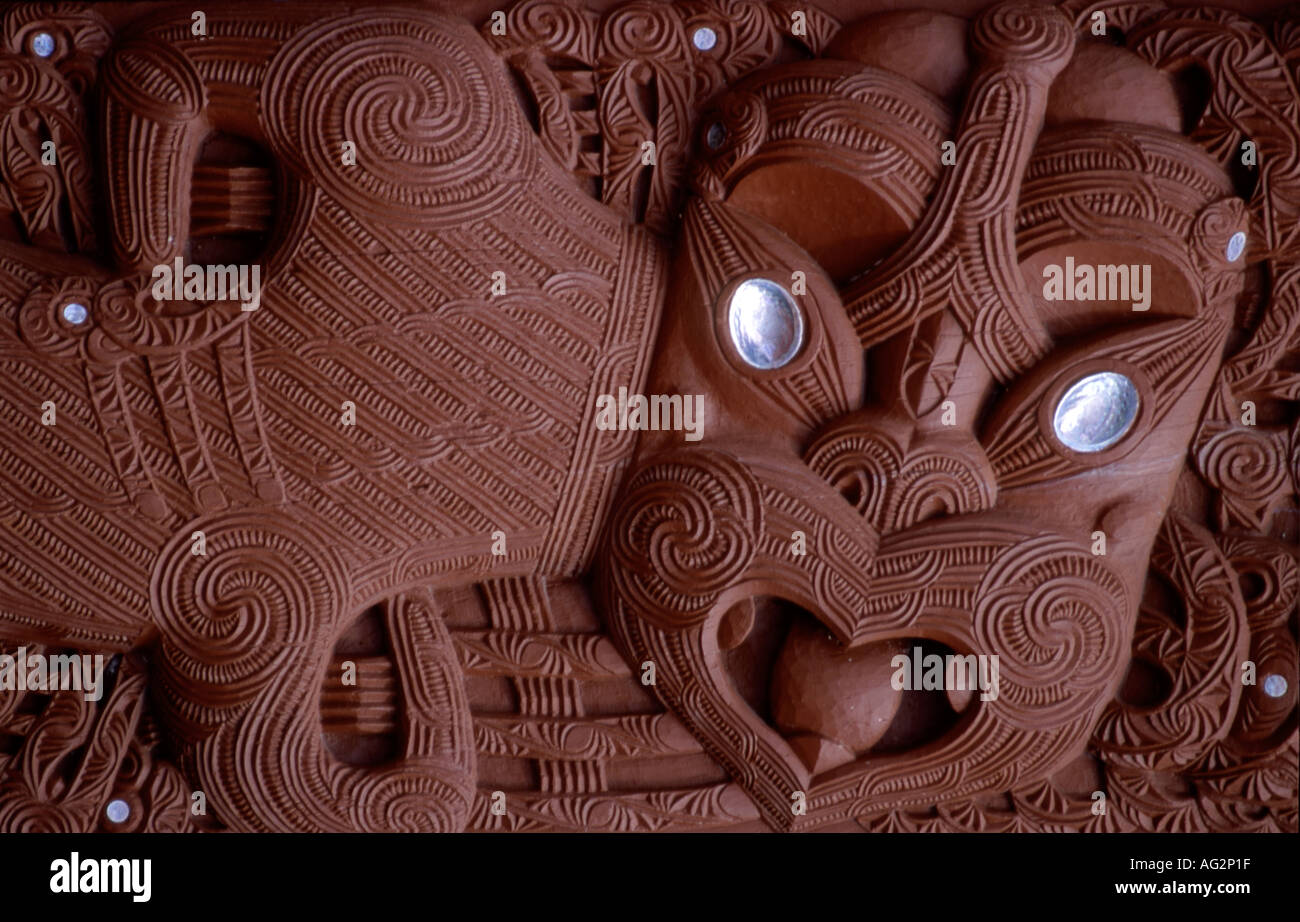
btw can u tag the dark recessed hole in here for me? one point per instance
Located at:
(1253, 586)
(233, 201)
(1145, 685)
(923, 716)
(359, 720)
(750, 664)
(1244, 178)
(1194, 89)
(1160, 600)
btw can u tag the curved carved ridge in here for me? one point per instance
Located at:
(369, 556)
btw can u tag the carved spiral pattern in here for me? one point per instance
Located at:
(19, 80)
(409, 801)
(417, 95)
(1274, 577)
(1216, 223)
(230, 617)
(742, 119)
(558, 26)
(935, 482)
(34, 816)
(689, 528)
(1243, 462)
(1025, 32)
(644, 30)
(129, 321)
(1055, 616)
(40, 318)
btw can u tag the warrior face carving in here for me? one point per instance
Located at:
(972, 531)
(908, 442)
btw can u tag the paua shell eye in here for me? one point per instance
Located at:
(1095, 412)
(766, 325)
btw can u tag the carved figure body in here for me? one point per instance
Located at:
(391, 470)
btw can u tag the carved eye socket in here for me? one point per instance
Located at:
(765, 323)
(1095, 412)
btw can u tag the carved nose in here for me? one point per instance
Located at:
(896, 474)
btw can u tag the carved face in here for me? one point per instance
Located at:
(923, 433)
(985, 486)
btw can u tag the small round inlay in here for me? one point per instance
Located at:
(1275, 685)
(119, 811)
(43, 44)
(704, 38)
(75, 313)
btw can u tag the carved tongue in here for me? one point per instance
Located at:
(832, 703)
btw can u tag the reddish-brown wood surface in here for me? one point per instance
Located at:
(366, 557)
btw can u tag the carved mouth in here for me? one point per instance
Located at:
(833, 704)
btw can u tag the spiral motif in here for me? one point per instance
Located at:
(1213, 227)
(413, 801)
(644, 30)
(40, 319)
(1274, 577)
(19, 79)
(266, 585)
(1201, 657)
(1243, 462)
(1055, 616)
(688, 530)
(860, 462)
(1024, 32)
(20, 814)
(438, 140)
(559, 27)
(741, 119)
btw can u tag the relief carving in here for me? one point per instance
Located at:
(353, 550)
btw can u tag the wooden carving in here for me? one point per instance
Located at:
(561, 418)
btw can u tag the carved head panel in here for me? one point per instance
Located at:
(952, 326)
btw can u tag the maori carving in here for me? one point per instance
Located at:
(887, 532)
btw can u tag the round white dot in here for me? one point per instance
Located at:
(765, 323)
(1236, 246)
(75, 313)
(118, 811)
(1275, 685)
(1095, 412)
(43, 44)
(704, 38)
